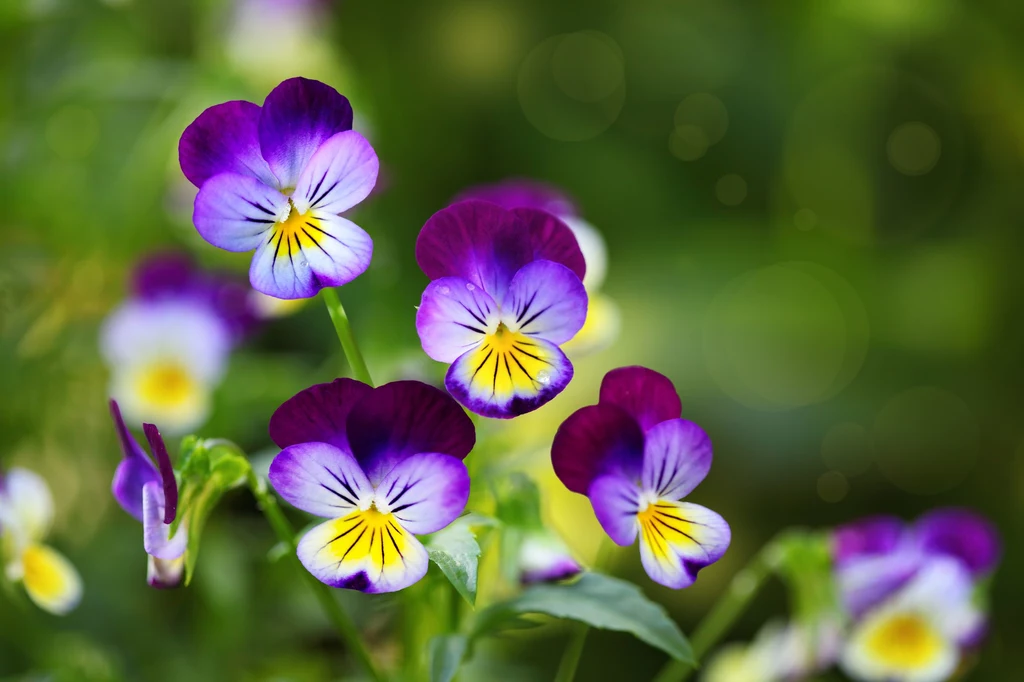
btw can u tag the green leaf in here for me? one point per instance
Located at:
(457, 553)
(446, 654)
(518, 501)
(601, 602)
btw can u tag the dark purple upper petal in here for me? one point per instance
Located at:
(551, 239)
(318, 414)
(406, 418)
(223, 139)
(649, 397)
(961, 533)
(298, 116)
(163, 460)
(867, 536)
(162, 275)
(522, 193)
(597, 440)
(477, 241)
(133, 472)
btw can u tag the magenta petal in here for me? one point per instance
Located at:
(477, 241)
(616, 502)
(552, 240)
(645, 394)
(960, 533)
(318, 414)
(677, 457)
(596, 440)
(406, 418)
(237, 212)
(134, 471)
(453, 317)
(522, 193)
(320, 479)
(545, 300)
(340, 174)
(871, 535)
(223, 139)
(425, 492)
(298, 116)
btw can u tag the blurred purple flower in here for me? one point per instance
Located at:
(276, 179)
(384, 464)
(506, 292)
(636, 459)
(543, 558)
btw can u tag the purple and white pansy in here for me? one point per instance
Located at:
(275, 180)
(636, 459)
(383, 465)
(150, 494)
(506, 291)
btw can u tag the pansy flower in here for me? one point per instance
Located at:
(150, 494)
(603, 318)
(920, 632)
(506, 292)
(26, 514)
(383, 465)
(636, 460)
(275, 179)
(168, 345)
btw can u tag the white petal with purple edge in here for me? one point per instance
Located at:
(454, 315)
(320, 479)
(677, 457)
(616, 502)
(341, 174)
(545, 300)
(678, 539)
(26, 505)
(156, 536)
(236, 212)
(424, 492)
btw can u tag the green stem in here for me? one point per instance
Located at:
(286, 534)
(742, 590)
(348, 341)
(571, 657)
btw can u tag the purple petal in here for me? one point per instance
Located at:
(508, 374)
(616, 501)
(298, 116)
(366, 551)
(544, 558)
(453, 317)
(165, 573)
(223, 139)
(318, 414)
(679, 539)
(960, 533)
(645, 394)
(596, 440)
(545, 300)
(320, 479)
(340, 174)
(134, 471)
(163, 275)
(155, 533)
(406, 418)
(477, 241)
(425, 492)
(868, 580)
(163, 461)
(677, 457)
(552, 240)
(237, 212)
(327, 251)
(522, 193)
(871, 535)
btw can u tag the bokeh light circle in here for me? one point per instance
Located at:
(731, 189)
(688, 143)
(913, 148)
(847, 449)
(833, 487)
(587, 66)
(926, 440)
(706, 112)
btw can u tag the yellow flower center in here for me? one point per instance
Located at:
(296, 232)
(167, 385)
(905, 641)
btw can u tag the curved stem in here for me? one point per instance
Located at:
(571, 656)
(348, 341)
(731, 605)
(286, 534)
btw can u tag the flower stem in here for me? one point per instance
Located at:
(348, 341)
(286, 534)
(573, 651)
(742, 590)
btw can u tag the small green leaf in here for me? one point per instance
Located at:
(446, 654)
(601, 602)
(457, 553)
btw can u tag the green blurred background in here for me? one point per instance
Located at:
(813, 209)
